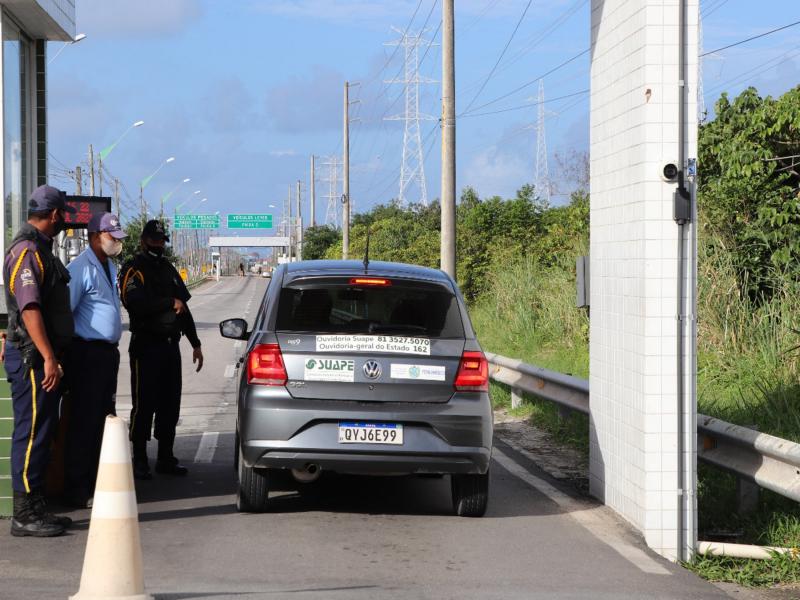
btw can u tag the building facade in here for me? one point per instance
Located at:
(26, 27)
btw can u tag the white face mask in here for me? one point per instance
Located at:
(111, 247)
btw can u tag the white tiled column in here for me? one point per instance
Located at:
(634, 252)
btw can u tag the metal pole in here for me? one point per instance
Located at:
(346, 175)
(91, 171)
(448, 248)
(100, 173)
(299, 228)
(313, 193)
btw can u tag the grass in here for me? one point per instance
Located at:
(748, 367)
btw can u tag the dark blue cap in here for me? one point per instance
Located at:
(154, 229)
(46, 197)
(106, 222)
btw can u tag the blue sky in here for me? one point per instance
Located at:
(242, 92)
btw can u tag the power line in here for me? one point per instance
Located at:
(750, 39)
(528, 105)
(531, 82)
(499, 58)
(713, 8)
(533, 41)
(777, 60)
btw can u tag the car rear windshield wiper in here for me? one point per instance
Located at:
(377, 327)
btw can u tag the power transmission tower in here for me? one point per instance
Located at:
(542, 179)
(412, 168)
(333, 196)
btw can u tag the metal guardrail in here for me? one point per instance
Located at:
(770, 462)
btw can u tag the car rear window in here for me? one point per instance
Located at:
(404, 307)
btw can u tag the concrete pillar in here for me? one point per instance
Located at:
(634, 252)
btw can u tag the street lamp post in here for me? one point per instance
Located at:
(78, 38)
(108, 149)
(147, 180)
(166, 197)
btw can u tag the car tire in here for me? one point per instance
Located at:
(252, 494)
(470, 494)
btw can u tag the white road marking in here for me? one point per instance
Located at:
(229, 371)
(590, 518)
(207, 447)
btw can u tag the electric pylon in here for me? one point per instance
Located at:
(334, 197)
(542, 181)
(412, 168)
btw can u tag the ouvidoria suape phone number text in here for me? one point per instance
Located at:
(373, 343)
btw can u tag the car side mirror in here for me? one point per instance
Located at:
(236, 329)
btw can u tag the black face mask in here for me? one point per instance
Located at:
(60, 225)
(155, 251)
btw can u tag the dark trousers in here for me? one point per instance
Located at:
(35, 421)
(91, 370)
(156, 391)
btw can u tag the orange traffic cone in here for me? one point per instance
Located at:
(112, 565)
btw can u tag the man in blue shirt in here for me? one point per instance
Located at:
(93, 358)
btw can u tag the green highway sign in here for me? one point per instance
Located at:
(189, 221)
(263, 221)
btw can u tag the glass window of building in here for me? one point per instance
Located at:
(16, 128)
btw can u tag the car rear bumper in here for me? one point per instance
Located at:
(455, 437)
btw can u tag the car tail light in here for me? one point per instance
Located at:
(265, 365)
(375, 281)
(473, 373)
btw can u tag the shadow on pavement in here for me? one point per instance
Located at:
(333, 492)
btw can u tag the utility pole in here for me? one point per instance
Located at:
(78, 181)
(116, 197)
(448, 249)
(91, 171)
(299, 226)
(346, 175)
(288, 214)
(313, 194)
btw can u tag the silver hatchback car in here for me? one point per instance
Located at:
(362, 370)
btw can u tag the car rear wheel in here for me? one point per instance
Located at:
(470, 494)
(252, 494)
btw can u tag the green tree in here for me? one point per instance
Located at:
(748, 186)
(317, 240)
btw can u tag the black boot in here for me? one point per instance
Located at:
(141, 466)
(167, 464)
(27, 522)
(40, 506)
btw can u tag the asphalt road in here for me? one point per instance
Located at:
(345, 537)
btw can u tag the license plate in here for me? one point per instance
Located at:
(371, 433)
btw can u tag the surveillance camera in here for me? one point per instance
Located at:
(670, 172)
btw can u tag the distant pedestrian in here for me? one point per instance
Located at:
(92, 363)
(155, 296)
(241, 270)
(40, 327)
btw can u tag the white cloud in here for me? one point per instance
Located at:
(282, 153)
(142, 18)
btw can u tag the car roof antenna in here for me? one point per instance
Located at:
(366, 253)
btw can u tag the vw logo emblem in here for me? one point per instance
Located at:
(372, 369)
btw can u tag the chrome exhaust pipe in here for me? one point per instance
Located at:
(308, 474)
